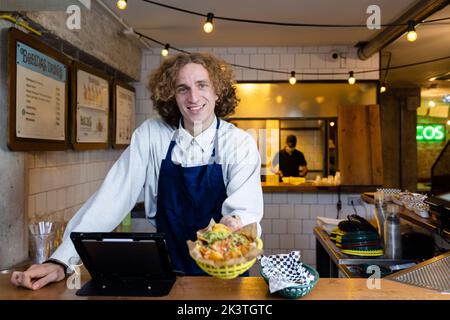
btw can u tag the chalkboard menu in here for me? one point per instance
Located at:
(38, 95)
(124, 105)
(91, 108)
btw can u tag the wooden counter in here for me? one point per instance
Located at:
(308, 187)
(244, 288)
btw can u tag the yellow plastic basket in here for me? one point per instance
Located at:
(229, 272)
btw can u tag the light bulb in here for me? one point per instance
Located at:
(382, 88)
(412, 34)
(208, 26)
(351, 78)
(292, 79)
(121, 4)
(331, 124)
(165, 51)
(448, 122)
(431, 104)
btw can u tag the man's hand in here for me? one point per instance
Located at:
(38, 276)
(233, 222)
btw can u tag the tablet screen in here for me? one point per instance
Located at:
(114, 255)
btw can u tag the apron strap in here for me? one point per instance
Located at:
(215, 153)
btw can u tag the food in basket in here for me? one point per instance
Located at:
(218, 245)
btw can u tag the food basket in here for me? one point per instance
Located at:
(231, 271)
(299, 290)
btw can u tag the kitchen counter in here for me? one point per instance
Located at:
(309, 187)
(243, 288)
(431, 224)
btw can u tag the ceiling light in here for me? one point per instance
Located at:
(431, 104)
(121, 4)
(332, 124)
(412, 34)
(208, 26)
(165, 51)
(292, 79)
(351, 78)
(383, 88)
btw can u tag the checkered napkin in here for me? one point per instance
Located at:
(285, 270)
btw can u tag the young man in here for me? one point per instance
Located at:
(292, 162)
(193, 167)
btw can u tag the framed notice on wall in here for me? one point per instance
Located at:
(124, 105)
(91, 108)
(38, 95)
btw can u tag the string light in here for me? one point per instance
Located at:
(292, 79)
(431, 104)
(165, 51)
(306, 73)
(412, 34)
(332, 124)
(351, 78)
(383, 88)
(208, 26)
(286, 24)
(448, 122)
(121, 4)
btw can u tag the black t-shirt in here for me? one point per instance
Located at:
(289, 164)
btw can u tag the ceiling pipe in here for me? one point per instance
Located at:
(418, 13)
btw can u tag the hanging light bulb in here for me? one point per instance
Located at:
(292, 79)
(431, 104)
(121, 4)
(165, 51)
(383, 88)
(208, 26)
(412, 34)
(332, 124)
(351, 78)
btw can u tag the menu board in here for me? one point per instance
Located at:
(91, 127)
(38, 95)
(124, 110)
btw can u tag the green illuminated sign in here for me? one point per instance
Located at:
(430, 132)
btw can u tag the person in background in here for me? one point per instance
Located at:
(290, 162)
(192, 165)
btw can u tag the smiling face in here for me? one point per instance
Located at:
(195, 97)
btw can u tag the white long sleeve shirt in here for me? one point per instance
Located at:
(139, 165)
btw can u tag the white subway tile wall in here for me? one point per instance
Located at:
(289, 220)
(305, 59)
(59, 182)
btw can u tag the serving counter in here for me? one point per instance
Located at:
(243, 288)
(309, 187)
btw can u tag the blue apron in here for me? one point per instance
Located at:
(187, 200)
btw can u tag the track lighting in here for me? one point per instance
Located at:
(208, 26)
(292, 79)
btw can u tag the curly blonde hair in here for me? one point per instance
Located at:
(162, 85)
